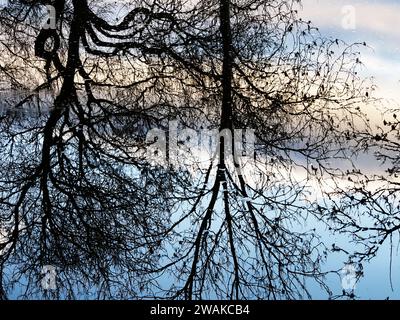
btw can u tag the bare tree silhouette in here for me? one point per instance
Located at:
(368, 211)
(79, 193)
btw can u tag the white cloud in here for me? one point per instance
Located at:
(386, 73)
(381, 18)
(377, 24)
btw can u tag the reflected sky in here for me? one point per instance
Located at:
(378, 24)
